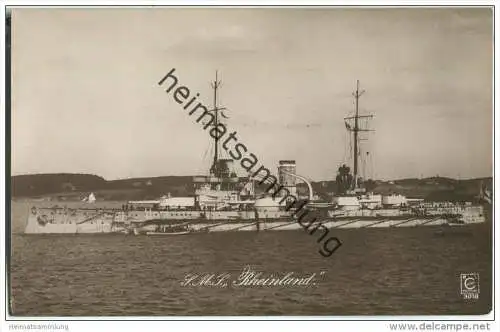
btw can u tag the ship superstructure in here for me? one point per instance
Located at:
(223, 201)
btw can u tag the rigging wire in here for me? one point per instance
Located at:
(351, 150)
(345, 145)
(371, 168)
(208, 151)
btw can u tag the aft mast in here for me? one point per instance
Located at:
(215, 166)
(356, 129)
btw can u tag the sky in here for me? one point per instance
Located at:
(85, 97)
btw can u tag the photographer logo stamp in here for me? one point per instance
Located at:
(469, 285)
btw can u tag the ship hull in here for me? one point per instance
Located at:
(33, 227)
(80, 221)
(55, 221)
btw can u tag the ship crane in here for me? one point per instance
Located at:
(308, 183)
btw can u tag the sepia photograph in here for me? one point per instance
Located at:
(250, 161)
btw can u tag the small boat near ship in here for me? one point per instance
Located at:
(222, 201)
(163, 230)
(168, 233)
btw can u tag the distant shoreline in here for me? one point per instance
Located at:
(74, 187)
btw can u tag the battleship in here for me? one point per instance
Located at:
(223, 201)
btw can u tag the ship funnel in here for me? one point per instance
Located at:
(287, 175)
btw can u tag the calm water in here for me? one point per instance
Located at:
(376, 271)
